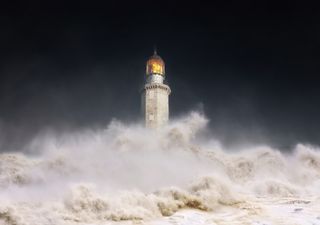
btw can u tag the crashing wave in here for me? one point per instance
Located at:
(131, 173)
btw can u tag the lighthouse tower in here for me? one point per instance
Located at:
(155, 94)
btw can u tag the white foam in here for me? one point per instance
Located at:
(129, 173)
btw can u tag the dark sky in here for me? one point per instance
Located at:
(252, 67)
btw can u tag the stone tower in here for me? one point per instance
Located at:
(155, 94)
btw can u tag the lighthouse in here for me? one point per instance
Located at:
(155, 94)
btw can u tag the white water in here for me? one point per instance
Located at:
(133, 175)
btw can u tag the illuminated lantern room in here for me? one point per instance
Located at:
(155, 65)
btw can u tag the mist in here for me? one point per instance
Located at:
(40, 95)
